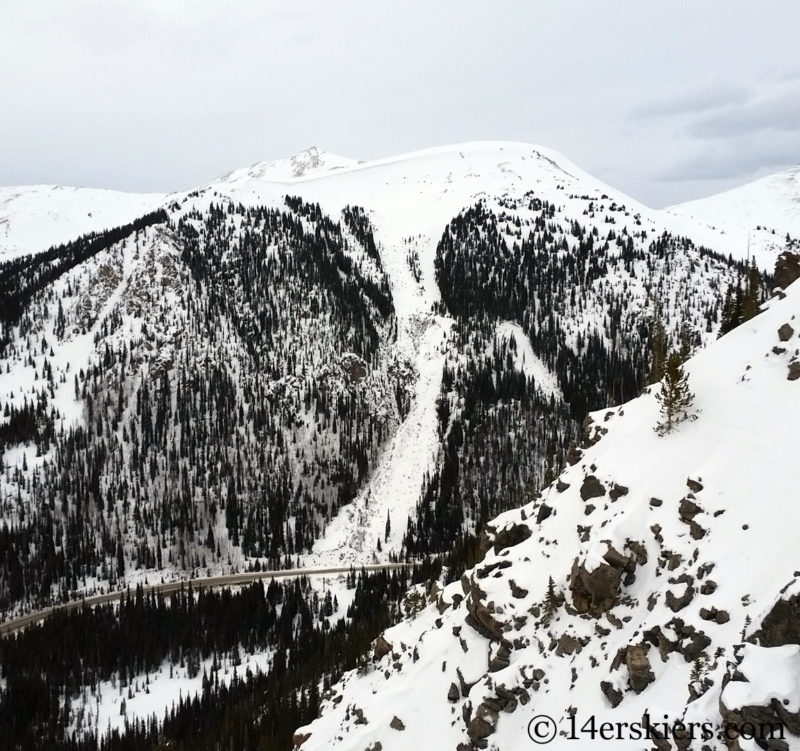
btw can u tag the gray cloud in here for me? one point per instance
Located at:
(695, 99)
(157, 95)
(739, 158)
(775, 108)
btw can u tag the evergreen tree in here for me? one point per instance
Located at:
(675, 397)
(551, 602)
(728, 317)
(658, 350)
(751, 295)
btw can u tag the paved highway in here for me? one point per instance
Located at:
(227, 580)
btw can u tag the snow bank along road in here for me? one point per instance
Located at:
(228, 580)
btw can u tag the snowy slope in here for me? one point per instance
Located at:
(34, 217)
(683, 544)
(410, 200)
(765, 210)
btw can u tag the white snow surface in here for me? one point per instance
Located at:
(35, 217)
(741, 449)
(526, 360)
(760, 213)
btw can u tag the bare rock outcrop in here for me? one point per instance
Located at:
(640, 674)
(597, 591)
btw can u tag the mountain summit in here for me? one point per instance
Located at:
(312, 162)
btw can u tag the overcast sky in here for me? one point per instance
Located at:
(667, 101)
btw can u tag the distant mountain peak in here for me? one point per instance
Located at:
(311, 162)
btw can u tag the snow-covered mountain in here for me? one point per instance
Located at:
(322, 358)
(35, 217)
(674, 595)
(758, 215)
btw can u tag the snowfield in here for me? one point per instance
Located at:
(35, 217)
(758, 214)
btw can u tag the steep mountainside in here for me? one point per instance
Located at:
(174, 414)
(651, 584)
(320, 358)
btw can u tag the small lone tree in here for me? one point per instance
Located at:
(675, 397)
(551, 602)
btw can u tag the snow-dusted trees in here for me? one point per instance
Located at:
(743, 301)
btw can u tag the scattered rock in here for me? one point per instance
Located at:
(568, 645)
(613, 695)
(464, 686)
(501, 658)
(696, 531)
(382, 648)
(453, 694)
(785, 332)
(617, 491)
(787, 269)
(592, 488)
(298, 739)
(794, 371)
(781, 625)
(656, 637)
(697, 640)
(616, 559)
(640, 674)
(480, 618)
(712, 614)
(679, 602)
(517, 591)
(687, 510)
(594, 592)
(656, 530)
(544, 512)
(510, 535)
(656, 502)
(694, 485)
(484, 571)
(480, 728)
(639, 551)
(561, 486)
(397, 724)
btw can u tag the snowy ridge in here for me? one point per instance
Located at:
(307, 164)
(758, 214)
(33, 218)
(665, 553)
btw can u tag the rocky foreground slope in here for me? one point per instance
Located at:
(675, 594)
